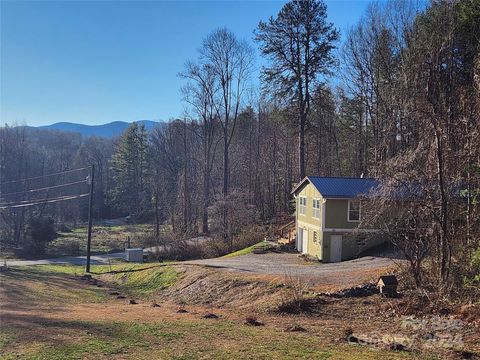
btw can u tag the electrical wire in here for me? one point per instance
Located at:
(43, 176)
(33, 200)
(54, 200)
(45, 188)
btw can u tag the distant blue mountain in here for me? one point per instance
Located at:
(109, 130)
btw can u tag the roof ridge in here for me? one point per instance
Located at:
(341, 177)
(348, 187)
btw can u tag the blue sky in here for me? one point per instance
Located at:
(94, 62)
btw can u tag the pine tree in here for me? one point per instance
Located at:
(299, 44)
(130, 170)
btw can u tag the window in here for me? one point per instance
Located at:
(354, 210)
(316, 208)
(302, 205)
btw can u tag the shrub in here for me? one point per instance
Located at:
(230, 216)
(176, 247)
(40, 230)
(145, 239)
(293, 298)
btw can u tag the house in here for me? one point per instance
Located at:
(328, 210)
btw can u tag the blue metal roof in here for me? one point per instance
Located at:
(340, 187)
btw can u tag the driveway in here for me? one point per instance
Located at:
(283, 266)
(287, 265)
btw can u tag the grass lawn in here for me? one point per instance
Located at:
(184, 339)
(245, 251)
(135, 279)
(48, 312)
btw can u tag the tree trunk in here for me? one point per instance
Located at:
(206, 195)
(186, 189)
(225, 164)
(301, 146)
(157, 217)
(225, 185)
(444, 237)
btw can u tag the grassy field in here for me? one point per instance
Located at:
(105, 239)
(49, 312)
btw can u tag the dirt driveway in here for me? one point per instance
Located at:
(328, 275)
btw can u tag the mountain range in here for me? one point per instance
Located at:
(108, 130)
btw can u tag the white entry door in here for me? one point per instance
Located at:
(299, 239)
(335, 248)
(305, 241)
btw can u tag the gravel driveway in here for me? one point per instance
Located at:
(335, 275)
(271, 265)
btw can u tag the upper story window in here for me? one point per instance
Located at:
(354, 210)
(316, 208)
(302, 205)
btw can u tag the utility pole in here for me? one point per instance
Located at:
(90, 205)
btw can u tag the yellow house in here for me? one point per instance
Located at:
(328, 210)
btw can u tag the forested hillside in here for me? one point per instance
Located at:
(109, 130)
(405, 109)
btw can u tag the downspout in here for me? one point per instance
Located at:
(296, 222)
(322, 226)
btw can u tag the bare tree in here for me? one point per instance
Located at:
(200, 93)
(230, 61)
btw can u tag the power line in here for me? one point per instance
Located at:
(45, 188)
(34, 201)
(29, 201)
(54, 200)
(43, 176)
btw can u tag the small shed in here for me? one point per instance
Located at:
(134, 255)
(387, 285)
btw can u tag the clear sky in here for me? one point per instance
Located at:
(94, 62)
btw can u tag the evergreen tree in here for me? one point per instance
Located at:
(299, 44)
(130, 170)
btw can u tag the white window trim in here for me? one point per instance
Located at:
(314, 208)
(359, 211)
(300, 205)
